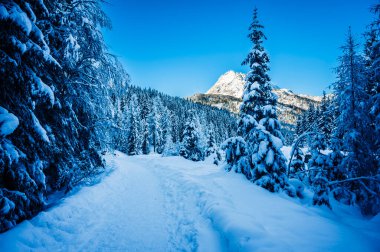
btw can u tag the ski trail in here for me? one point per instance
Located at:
(188, 229)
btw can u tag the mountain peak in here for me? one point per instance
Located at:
(231, 83)
(228, 91)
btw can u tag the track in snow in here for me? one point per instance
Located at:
(132, 209)
(150, 203)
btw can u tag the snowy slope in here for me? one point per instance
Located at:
(150, 203)
(231, 83)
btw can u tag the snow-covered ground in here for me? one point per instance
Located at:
(151, 203)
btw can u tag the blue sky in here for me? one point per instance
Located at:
(181, 47)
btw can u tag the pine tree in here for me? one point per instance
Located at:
(353, 121)
(370, 204)
(299, 129)
(27, 97)
(155, 125)
(166, 125)
(257, 90)
(62, 85)
(353, 118)
(372, 54)
(310, 118)
(318, 169)
(298, 164)
(134, 138)
(258, 123)
(211, 146)
(326, 118)
(235, 150)
(190, 148)
(144, 137)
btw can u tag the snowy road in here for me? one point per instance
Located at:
(149, 203)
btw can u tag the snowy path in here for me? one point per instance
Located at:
(149, 203)
(123, 211)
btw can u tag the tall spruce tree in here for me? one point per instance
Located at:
(371, 201)
(134, 126)
(353, 121)
(258, 119)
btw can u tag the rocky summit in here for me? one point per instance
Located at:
(227, 93)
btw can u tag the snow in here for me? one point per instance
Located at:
(3, 12)
(277, 142)
(20, 18)
(43, 89)
(289, 103)
(154, 203)
(8, 122)
(39, 129)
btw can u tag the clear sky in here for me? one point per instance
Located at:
(181, 47)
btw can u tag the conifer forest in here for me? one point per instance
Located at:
(91, 160)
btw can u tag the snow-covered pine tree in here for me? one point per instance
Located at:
(144, 137)
(89, 87)
(336, 172)
(372, 54)
(235, 152)
(299, 129)
(57, 78)
(190, 148)
(169, 148)
(353, 121)
(311, 117)
(297, 165)
(155, 125)
(27, 100)
(326, 118)
(211, 146)
(371, 201)
(166, 125)
(258, 123)
(134, 126)
(318, 168)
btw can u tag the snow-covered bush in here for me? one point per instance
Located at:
(234, 149)
(297, 164)
(170, 148)
(321, 191)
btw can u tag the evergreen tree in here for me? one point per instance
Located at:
(155, 125)
(299, 129)
(327, 118)
(318, 169)
(134, 138)
(353, 121)
(190, 148)
(211, 146)
(372, 54)
(257, 90)
(59, 81)
(235, 150)
(145, 137)
(258, 119)
(298, 164)
(370, 199)
(310, 118)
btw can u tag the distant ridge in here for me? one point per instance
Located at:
(227, 92)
